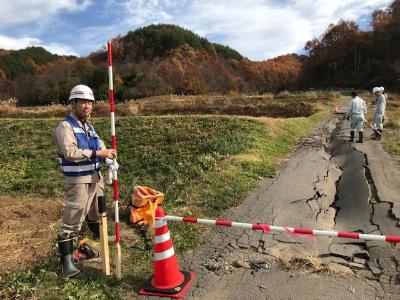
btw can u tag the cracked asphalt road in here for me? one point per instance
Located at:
(329, 184)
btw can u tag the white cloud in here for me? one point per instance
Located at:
(145, 11)
(15, 44)
(23, 12)
(257, 29)
(58, 49)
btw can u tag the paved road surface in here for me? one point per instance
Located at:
(329, 184)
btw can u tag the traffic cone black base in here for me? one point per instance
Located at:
(175, 293)
(167, 280)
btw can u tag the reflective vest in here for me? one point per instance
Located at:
(92, 142)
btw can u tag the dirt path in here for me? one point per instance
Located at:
(327, 184)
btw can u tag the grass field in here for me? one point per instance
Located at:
(391, 140)
(284, 104)
(203, 165)
(392, 126)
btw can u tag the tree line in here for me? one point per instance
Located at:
(345, 55)
(167, 59)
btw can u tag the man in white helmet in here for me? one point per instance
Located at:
(81, 153)
(355, 113)
(379, 112)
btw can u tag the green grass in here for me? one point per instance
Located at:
(203, 165)
(391, 139)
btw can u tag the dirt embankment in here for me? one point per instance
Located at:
(27, 229)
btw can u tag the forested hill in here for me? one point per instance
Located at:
(164, 59)
(153, 60)
(25, 61)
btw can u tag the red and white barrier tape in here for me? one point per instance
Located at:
(300, 232)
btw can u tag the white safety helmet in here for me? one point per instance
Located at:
(376, 89)
(81, 92)
(382, 89)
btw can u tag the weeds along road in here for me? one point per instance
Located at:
(326, 184)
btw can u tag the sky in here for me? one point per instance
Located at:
(258, 29)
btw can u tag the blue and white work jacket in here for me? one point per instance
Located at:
(84, 142)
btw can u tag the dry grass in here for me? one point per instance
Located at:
(12, 111)
(8, 109)
(295, 256)
(285, 104)
(250, 105)
(267, 96)
(101, 109)
(312, 264)
(274, 124)
(245, 158)
(311, 95)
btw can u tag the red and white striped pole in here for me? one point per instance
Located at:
(114, 146)
(289, 230)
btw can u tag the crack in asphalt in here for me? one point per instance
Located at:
(386, 277)
(372, 191)
(241, 247)
(334, 204)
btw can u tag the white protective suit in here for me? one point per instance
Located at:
(356, 112)
(379, 111)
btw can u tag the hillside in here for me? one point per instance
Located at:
(168, 59)
(153, 60)
(25, 61)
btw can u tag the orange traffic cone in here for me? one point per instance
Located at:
(168, 280)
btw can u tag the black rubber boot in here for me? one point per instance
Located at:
(94, 227)
(379, 136)
(375, 134)
(360, 137)
(351, 136)
(65, 247)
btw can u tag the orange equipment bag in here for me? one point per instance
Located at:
(145, 200)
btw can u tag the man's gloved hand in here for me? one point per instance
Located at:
(347, 117)
(112, 166)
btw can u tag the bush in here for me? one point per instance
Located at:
(283, 94)
(7, 110)
(267, 96)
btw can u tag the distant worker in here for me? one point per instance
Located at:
(382, 90)
(356, 112)
(386, 98)
(379, 112)
(81, 153)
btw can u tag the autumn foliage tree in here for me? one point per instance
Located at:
(347, 56)
(164, 59)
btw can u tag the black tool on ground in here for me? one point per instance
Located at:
(87, 250)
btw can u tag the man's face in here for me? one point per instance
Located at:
(83, 108)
